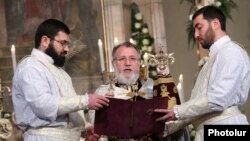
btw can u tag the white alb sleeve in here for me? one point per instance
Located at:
(72, 104)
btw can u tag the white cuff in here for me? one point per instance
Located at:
(72, 104)
(85, 100)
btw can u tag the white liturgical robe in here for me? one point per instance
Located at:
(221, 88)
(43, 97)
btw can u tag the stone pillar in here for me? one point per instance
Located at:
(3, 33)
(114, 25)
(158, 25)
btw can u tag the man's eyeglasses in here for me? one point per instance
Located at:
(130, 59)
(64, 43)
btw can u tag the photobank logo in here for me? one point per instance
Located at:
(241, 132)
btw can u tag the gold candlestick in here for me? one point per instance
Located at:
(111, 80)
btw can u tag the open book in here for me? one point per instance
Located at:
(126, 119)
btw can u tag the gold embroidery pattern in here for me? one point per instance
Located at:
(163, 80)
(164, 91)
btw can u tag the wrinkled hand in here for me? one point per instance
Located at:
(97, 101)
(169, 114)
(91, 135)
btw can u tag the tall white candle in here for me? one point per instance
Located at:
(101, 55)
(180, 88)
(116, 41)
(111, 69)
(181, 78)
(13, 56)
(180, 91)
(145, 58)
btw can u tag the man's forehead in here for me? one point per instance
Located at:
(126, 50)
(198, 20)
(61, 34)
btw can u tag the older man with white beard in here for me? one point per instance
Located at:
(126, 63)
(128, 85)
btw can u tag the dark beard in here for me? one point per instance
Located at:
(209, 38)
(58, 59)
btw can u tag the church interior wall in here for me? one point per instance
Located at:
(175, 21)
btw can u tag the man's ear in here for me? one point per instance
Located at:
(44, 43)
(216, 24)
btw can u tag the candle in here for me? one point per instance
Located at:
(180, 91)
(180, 88)
(115, 41)
(13, 56)
(111, 69)
(181, 78)
(101, 55)
(145, 58)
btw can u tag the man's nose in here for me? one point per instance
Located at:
(127, 62)
(66, 48)
(196, 34)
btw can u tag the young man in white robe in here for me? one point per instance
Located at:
(44, 99)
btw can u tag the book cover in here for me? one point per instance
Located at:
(126, 119)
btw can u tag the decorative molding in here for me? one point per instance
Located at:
(6, 128)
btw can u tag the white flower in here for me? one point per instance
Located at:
(217, 4)
(199, 6)
(190, 17)
(131, 41)
(138, 16)
(135, 42)
(145, 42)
(193, 133)
(144, 48)
(210, 1)
(144, 30)
(190, 126)
(150, 49)
(137, 25)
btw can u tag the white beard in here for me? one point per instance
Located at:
(129, 81)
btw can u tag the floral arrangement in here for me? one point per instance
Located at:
(192, 132)
(225, 5)
(140, 36)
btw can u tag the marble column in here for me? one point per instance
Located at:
(3, 33)
(158, 25)
(114, 26)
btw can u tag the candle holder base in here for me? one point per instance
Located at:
(109, 78)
